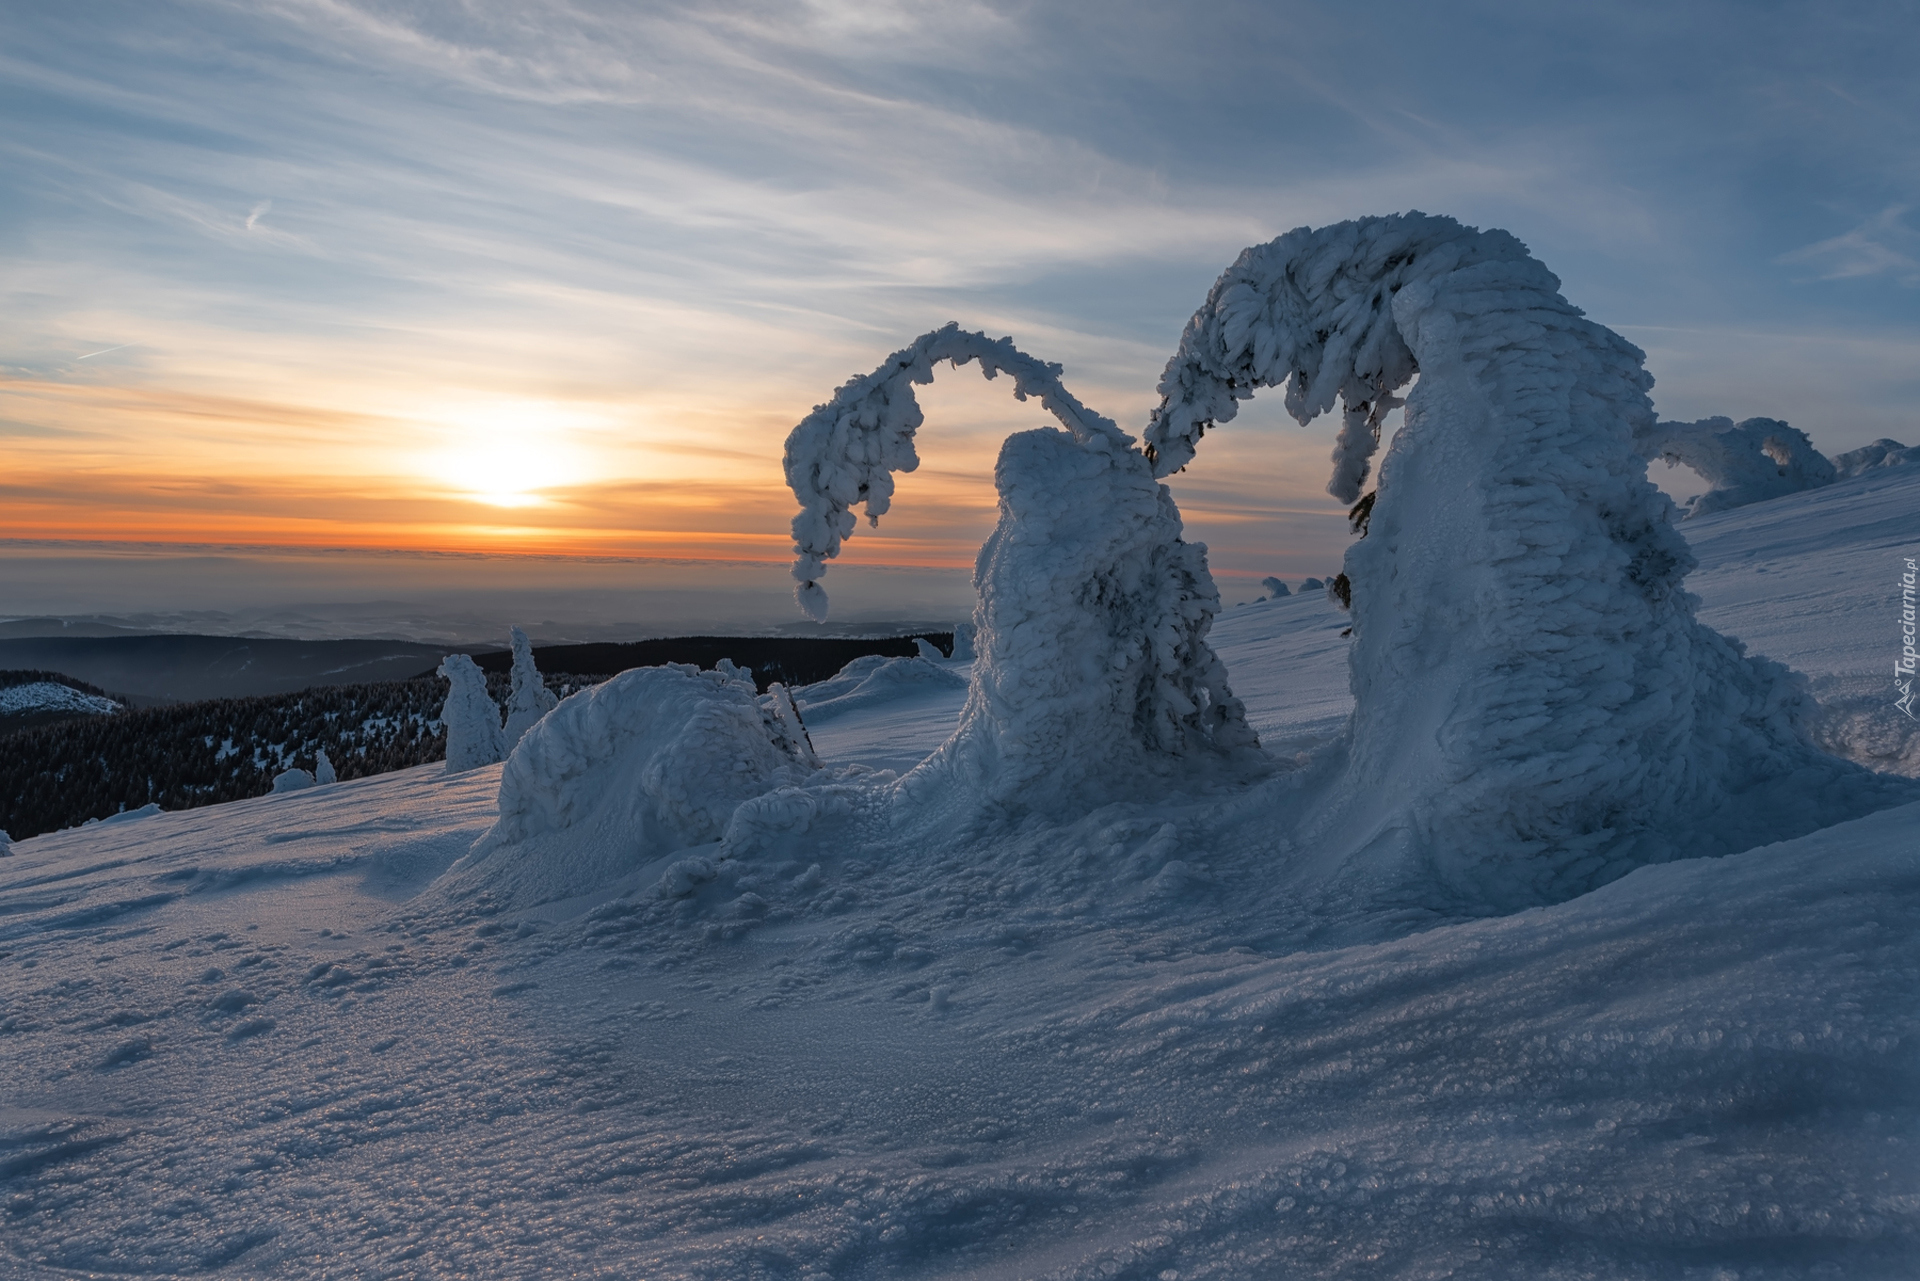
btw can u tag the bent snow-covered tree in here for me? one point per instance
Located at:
(1746, 462)
(1537, 709)
(1092, 660)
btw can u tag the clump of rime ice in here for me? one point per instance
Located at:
(1881, 453)
(1090, 633)
(530, 699)
(471, 716)
(1746, 462)
(638, 767)
(291, 780)
(1537, 709)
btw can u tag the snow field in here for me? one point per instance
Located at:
(1057, 975)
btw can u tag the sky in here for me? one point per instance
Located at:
(332, 295)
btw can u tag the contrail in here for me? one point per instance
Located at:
(104, 350)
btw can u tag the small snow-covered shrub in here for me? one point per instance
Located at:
(1746, 462)
(292, 780)
(648, 763)
(471, 716)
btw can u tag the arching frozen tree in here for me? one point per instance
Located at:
(1092, 662)
(471, 716)
(1742, 463)
(530, 699)
(1537, 709)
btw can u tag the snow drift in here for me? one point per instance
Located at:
(1746, 462)
(1537, 710)
(1092, 666)
(646, 764)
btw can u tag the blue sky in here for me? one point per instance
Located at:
(562, 275)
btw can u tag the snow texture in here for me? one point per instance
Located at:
(472, 718)
(530, 699)
(1746, 462)
(875, 680)
(1881, 453)
(1536, 708)
(649, 763)
(1092, 671)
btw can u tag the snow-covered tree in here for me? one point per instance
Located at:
(530, 699)
(323, 772)
(1746, 462)
(1537, 708)
(471, 716)
(1093, 664)
(1275, 588)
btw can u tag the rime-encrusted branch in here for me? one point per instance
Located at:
(844, 453)
(1316, 308)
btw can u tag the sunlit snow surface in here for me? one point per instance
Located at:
(233, 1041)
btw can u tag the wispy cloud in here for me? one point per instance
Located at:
(1881, 246)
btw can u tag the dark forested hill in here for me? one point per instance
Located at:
(224, 749)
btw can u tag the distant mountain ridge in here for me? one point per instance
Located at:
(158, 669)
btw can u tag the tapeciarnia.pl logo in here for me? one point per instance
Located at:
(1903, 667)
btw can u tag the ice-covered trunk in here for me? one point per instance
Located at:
(1092, 673)
(1537, 709)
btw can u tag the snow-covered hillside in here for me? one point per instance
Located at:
(257, 1040)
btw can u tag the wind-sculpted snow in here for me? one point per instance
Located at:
(531, 699)
(471, 716)
(646, 764)
(1092, 669)
(1537, 709)
(1747, 462)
